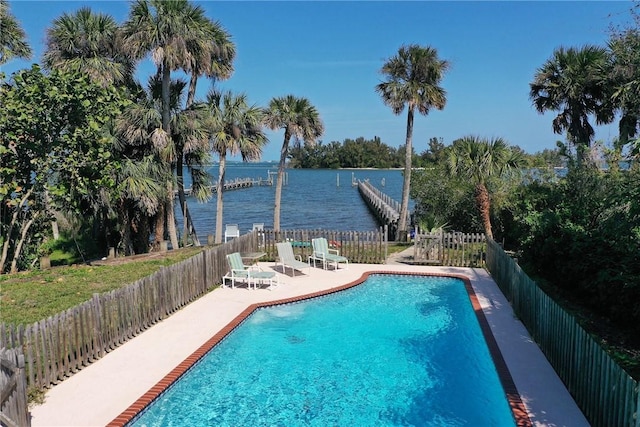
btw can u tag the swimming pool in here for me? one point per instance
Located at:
(397, 350)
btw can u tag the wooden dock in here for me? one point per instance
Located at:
(236, 184)
(385, 209)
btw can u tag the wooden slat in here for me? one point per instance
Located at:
(607, 395)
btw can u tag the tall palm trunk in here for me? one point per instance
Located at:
(166, 126)
(171, 221)
(483, 202)
(186, 214)
(406, 185)
(125, 234)
(219, 202)
(283, 160)
(192, 89)
(159, 225)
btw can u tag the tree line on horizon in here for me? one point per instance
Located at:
(373, 153)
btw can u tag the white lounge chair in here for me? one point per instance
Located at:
(231, 231)
(288, 259)
(246, 273)
(321, 252)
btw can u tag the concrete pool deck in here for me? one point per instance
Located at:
(102, 391)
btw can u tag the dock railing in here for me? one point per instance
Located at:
(605, 393)
(235, 184)
(385, 209)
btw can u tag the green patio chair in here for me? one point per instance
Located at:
(288, 259)
(322, 253)
(246, 273)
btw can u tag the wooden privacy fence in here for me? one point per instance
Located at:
(60, 345)
(453, 249)
(13, 401)
(605, 393)
(365, 247)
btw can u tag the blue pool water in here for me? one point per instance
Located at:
(394, 351)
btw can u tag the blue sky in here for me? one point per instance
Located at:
(331, 53)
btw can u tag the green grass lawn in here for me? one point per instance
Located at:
(35, 295)
(32, 296)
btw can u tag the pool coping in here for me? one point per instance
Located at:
(518, 408)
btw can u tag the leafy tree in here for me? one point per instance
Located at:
(358, 153)
(575, 83)
(413, 80)
(12, 36)
(353, 153)
(443, 200)
(481, 161)
(547, 158)
(435, 153)
(237, 129)
(55, 154)
(89, 43)
(583, 235)
(300, 120)
(190, 135)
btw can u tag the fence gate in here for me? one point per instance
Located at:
(14, 409)
(428, 248)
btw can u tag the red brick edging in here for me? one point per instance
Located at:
(518, 409)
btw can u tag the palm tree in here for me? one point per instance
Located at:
(12, 36)
(213, 58)
(140, 196)
(166, 29)
(625, 51)
(190, 135)
(211, 55)
(574, 82)
(174, 32)
(88, 43)
(299, 119)
(142, 135)
(413, 79)
(481, 161)
(237, 129)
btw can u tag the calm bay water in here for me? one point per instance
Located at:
(311, 199)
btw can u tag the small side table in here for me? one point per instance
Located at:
(252, 258)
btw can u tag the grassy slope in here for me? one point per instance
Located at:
(32, 296)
